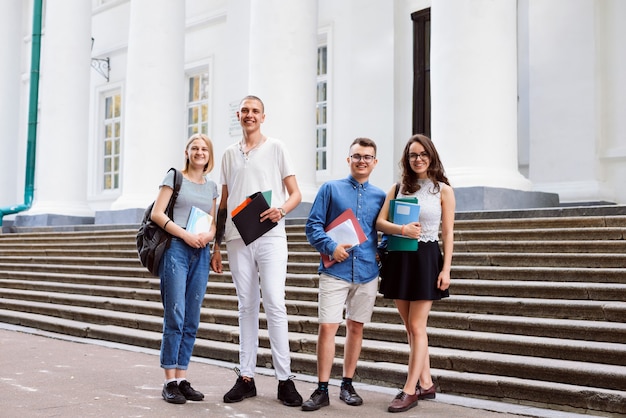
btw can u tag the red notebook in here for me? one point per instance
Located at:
(340, 222)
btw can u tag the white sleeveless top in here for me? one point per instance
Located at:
(430, 209)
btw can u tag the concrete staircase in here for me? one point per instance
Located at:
(537, 313)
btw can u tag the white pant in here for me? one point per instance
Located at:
(261, 267)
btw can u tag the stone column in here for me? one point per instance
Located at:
(474, 92)
(564, 95)
(282, 72)
(60, 180)
(10, 155)
(154, 108)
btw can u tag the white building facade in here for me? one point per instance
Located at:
(525, 97)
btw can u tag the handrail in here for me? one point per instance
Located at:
(31, 146)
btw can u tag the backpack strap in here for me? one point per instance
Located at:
(178, 182)
(397, 189)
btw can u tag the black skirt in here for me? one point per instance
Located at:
(412, 275)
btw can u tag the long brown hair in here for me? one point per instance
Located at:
(435, 169)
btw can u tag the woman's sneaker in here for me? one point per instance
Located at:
(188, 392)
(172, 394)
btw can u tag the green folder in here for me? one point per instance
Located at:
(399, 243)
(268, 196)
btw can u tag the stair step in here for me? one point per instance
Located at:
(530, 246)
(535, 307)
(542, 289)
(539, 273)
(585, 330)
(548, 234)
(545, 260)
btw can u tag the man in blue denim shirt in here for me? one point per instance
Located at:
(353, 280)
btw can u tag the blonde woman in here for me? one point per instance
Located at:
(184, 268)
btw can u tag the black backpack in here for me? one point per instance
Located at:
(152, 240)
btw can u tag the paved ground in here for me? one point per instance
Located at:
(50, 375)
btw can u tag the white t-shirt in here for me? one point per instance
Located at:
(264, 168)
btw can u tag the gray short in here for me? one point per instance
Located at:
(358, 300)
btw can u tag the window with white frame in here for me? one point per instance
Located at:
(322, 108)
(198, 103)
(112, 125)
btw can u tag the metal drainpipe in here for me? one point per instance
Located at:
(29, 185)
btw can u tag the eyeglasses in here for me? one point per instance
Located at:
(423, 155)
(366, 158)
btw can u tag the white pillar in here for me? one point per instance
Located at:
(61, 162)
(474, 92)
(154, 104)
(564, 91)
(282, 72)
(10, 56)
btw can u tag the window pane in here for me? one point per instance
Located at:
(107, 108)
(193, 89)
(321, 114)
(321, 160)
(321, 138)
(117, 110)
(204, 86)
(107, 148)
(321, 60)
(107, 165)
(321, 91)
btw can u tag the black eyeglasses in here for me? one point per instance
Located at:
(358, 157)
(423, 155)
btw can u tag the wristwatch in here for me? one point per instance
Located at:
(282, 212)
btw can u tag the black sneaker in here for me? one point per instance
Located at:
(349, 395)
(172, 394)
(288, 393)
(190, 393)
(243, 388)
(316, 401)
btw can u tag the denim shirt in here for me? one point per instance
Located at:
(332, 199)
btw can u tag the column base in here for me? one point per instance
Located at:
(495, 198)
(49, 219)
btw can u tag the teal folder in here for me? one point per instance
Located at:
(403, 211)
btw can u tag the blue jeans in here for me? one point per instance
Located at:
(184, 273)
